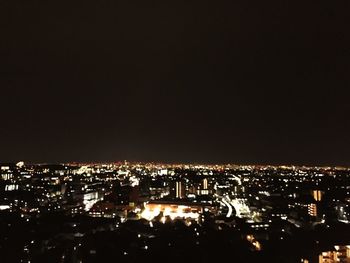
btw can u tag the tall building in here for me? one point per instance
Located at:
(317, 194)
(180, 190)
(205, 184)
(203, 188)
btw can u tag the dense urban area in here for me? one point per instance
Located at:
(133, 212)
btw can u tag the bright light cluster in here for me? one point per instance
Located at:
(181, 211)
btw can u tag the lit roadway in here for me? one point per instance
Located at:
(240, 206)
(230, 210)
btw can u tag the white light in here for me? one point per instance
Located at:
(4, 207)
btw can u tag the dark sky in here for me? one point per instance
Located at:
(242, 81)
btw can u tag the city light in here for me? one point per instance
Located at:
(253, 205)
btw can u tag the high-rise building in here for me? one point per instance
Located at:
(205, 184)
(180, 190)
(317, 194)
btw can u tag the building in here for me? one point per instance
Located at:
(180, 190)
(317, 194)
(175, 209)
(312, 209)
(340, 254)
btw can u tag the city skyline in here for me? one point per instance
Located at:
(204, 164)
(174, 131)
(131, 211)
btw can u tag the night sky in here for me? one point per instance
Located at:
(239, 81)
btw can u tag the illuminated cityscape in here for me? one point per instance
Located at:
(164, 131)
(131, 212)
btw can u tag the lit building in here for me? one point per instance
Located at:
(11, 187)
(180, 190)
(203, 189)
(205, 184)
(317, 194)
(340, 254)
(312, 209)
(184, 210)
